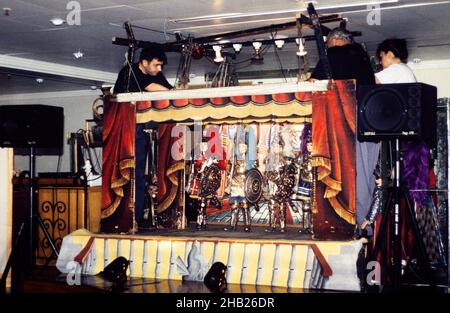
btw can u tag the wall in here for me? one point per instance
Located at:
(77, 108)
(436, 73)
(6, 164)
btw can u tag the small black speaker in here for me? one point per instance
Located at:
(397, 111)
(35, 125)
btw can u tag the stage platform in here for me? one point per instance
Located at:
(286, 260)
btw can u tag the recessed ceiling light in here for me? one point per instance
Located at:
(39, 80)
(7, 11)
(57, 21)
(78, 54)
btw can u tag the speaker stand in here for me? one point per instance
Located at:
(393, 204)
(32, 217)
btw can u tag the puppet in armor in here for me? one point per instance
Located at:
(207, 181)
(305, 179)
(280, 171)
(244, 159)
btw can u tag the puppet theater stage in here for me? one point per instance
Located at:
(176, 251)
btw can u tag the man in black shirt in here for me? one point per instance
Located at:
(146, 75)
(348, 60)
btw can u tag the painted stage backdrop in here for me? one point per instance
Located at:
(253, 129)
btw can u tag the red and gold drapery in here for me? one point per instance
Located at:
(118, 167)
(334, 136)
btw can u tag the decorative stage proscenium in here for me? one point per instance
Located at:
(258, 108)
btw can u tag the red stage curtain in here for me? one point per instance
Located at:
(119, 124)
(333, 128)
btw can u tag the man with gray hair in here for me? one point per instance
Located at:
(348, 60)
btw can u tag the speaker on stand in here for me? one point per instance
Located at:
(395, 113)
(30, 126)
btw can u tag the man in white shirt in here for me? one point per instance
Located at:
(393, 54)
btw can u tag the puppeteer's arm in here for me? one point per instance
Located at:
(155, 87)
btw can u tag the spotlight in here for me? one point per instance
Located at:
(116, 272)
(216, 279)
(301, 47)
(257, 58)
(279, 43)
(257, 45)
(237, 47)
(219, 57)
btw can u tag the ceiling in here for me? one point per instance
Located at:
(27, 34)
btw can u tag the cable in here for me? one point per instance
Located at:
(134, 76)
(278, 57)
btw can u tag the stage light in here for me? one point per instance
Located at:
(116, 272)
(219, 57)
(257, 45)
(301, 47)
(237, 47)
(279, 43)
(216, 279)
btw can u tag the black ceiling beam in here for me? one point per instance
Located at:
(168, 47)
(177, 45)
(264, 29)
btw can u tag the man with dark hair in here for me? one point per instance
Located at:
(146, 75)
(348, 60)
(393, 54)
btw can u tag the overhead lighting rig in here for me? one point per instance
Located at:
(209, 41)
(214, 45)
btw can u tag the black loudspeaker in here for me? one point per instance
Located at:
(397, 111)
(36, 125)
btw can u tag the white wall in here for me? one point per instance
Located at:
(436, 73)
(77, 108)
(6, 163)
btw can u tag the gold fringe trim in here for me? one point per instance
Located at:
(339, 209)
(172, 175)
(323, 167)
(333, 188)
(125, 168)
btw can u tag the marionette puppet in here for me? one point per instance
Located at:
(243, 160)
(280, 172)
(305, 180)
